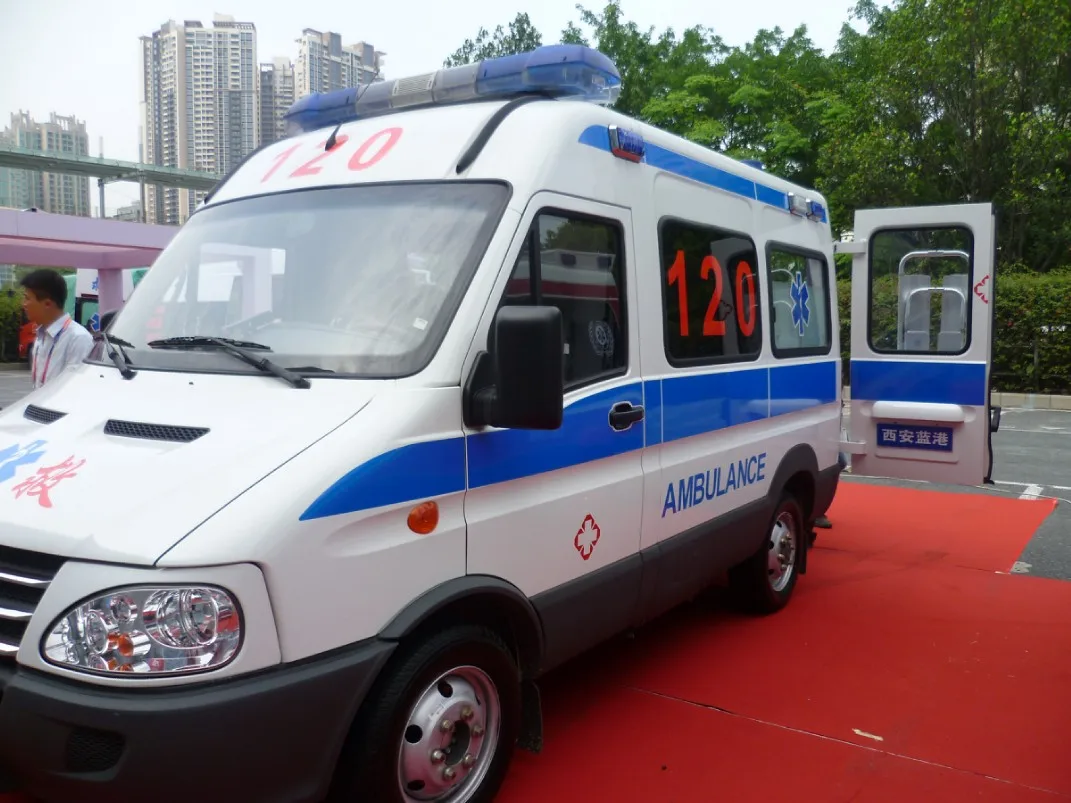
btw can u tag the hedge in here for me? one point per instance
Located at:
(1032, 345)
(10, 320)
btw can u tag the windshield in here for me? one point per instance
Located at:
(359, 281)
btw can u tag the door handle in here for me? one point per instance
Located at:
(623, 415)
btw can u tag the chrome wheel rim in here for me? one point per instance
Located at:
(450, 737)
(781, 555)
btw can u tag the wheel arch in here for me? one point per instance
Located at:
(797, 474)
(476, 599)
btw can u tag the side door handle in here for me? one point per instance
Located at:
(623, 415)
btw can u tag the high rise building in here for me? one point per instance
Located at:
(276, 97)
(325, 64)
(199, 105)
(49, 192)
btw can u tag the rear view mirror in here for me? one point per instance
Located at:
(518, 384)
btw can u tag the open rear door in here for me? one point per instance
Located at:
(921, 343)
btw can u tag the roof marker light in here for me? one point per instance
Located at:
(624, 144)
(798, 205)
(571, 71)
(753, 163)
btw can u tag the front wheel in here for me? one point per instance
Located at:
(441, 726)
(765, 581)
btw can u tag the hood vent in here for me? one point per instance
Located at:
(42, 415)
(153, 432)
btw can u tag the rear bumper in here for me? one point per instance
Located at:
(274, 736)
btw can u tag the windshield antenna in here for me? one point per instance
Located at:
(332, 140)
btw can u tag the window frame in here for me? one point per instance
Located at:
(969, 324)
(531, 243)
(806, 253)
(691, 362)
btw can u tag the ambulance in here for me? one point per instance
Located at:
(467, 375)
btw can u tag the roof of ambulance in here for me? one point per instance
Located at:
(425, 144)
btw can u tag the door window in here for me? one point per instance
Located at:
(920, 291)
(576, 263)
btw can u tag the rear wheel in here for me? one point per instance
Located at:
(441, 727)
(764, 582)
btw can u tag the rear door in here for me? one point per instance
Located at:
(921, 343)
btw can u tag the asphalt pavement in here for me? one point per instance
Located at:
(1032, 459)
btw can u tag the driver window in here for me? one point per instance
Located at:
(576, 264)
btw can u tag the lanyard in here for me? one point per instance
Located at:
(48, 359)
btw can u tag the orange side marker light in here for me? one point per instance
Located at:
(424, 518)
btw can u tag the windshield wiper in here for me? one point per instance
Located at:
(238, 349)
(118, 356)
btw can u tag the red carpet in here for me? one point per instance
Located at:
(903, 629)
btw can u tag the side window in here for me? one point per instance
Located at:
(799, 302)
(710, 294)
(576, 264)
(920, 290)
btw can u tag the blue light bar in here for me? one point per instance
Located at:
(570, 71)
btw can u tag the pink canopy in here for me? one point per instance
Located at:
(66, 241)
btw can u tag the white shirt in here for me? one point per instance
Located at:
(61, 344)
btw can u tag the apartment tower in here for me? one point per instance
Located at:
(199, 105)
(49, 192)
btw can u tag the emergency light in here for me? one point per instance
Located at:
(564, 71)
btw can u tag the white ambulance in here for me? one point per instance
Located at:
(466, 376)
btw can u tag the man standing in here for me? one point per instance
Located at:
(61, 341)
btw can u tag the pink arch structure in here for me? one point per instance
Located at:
(65, 241)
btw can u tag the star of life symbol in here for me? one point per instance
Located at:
(18, 455)
(46, 479)
(801, 313)
(587, 537)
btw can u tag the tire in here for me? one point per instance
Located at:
(760, 585)
(406, 748)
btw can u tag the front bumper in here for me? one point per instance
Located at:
(273, 736)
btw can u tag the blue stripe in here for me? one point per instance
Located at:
(676, 407)
(414, 471)
(598, 136)
(798, 386)
(912, 381)
(700, 403)
(585, 435)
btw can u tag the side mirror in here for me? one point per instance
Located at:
(518, 384)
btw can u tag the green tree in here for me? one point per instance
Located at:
(521, 36)
(949, 101)
(650, 64)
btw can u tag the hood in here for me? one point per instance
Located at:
(101, 468)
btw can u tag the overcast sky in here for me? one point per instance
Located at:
(82, 57)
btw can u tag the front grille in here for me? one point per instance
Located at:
(24, 576)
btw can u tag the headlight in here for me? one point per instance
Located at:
(149, 631)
